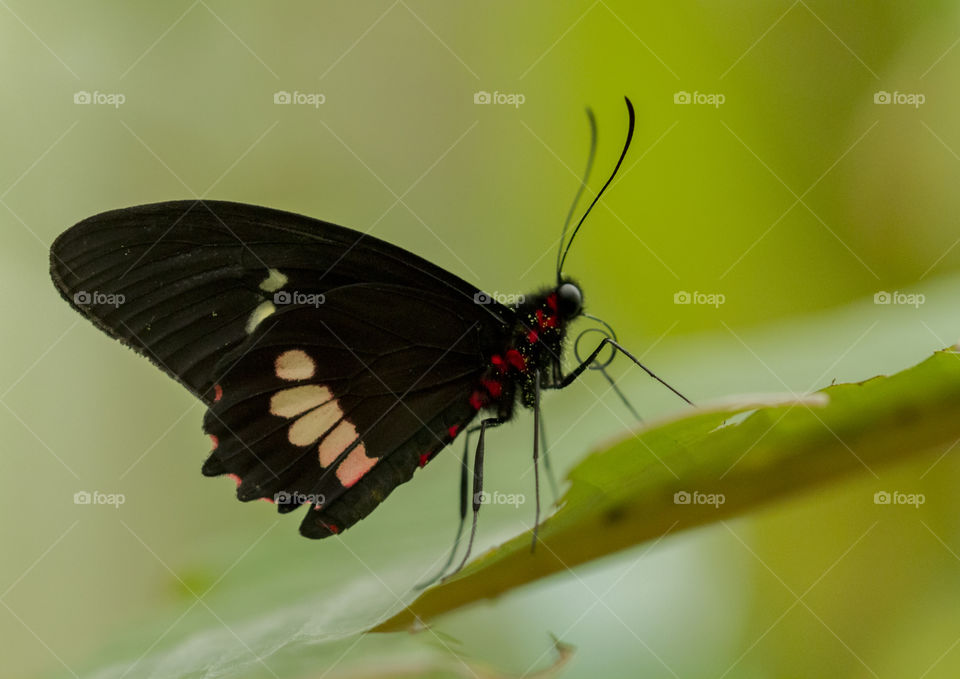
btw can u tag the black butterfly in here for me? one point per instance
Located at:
(332, 364)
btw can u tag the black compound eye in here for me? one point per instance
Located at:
(569, 300)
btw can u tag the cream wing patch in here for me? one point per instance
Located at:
(355, 466)
(312, 405)
(294, 365)
(310, 427)
(336, 442)
(274, 281)
(263, 311)
(317, 416)
(297, 400)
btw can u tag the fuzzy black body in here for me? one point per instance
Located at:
(534, 348)
(333, 364)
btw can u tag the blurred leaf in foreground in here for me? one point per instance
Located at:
(696, 469)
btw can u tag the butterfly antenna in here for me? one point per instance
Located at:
(623, 154)
(583, 184)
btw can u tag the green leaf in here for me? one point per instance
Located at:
(624, 494)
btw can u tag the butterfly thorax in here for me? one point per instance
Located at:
(534, 347)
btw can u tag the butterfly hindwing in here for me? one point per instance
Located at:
(365, 387)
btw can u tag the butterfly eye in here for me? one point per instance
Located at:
(569, 300)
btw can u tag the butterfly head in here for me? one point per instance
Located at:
(569, 300)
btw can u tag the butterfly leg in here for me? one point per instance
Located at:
(551, 477)
(478, 482)
(576, 372)
(536, 459)
(464, 473)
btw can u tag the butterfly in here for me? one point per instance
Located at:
(332, 364)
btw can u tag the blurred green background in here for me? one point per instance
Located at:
(797, 199)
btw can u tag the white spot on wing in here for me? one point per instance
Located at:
(355, 466)
(294, 365)
(296, 400)
(274, 281)
(263, 310)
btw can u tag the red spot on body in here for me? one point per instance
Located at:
(497, 361)
(545, 321)
(552, 301)
(217, 392)
(214, 441)
(516, 359)
(424, 458)
(532, 337)
(453, 431)
(236, 479)
(494, 387)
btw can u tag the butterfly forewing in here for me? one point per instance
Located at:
(192, 276)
